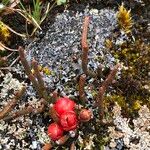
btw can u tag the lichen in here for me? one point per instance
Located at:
(134, 136)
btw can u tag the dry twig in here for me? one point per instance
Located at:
(25, 111)
(40, 79)
(28, 71)
(12, 103)
(53, 114)
(62, 140)
(72, 147)
(85, 48)
(81, 88)
(84, 45)
(47, 146)
(103, 88)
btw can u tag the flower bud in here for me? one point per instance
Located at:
(85, 115)
(69, 121)
(55, 131)
(63, 105)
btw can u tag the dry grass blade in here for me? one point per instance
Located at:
(7, 48)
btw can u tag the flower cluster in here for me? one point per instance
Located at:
(65, 117)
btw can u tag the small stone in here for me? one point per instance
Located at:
(112, 144)
(94, 11)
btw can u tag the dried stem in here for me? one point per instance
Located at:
(84, 45)
(3, 61)
(12, 103)
(47, 146)
(40, 79)
(24, 111)
(103, 88)
(62, 140)
(72, 147)
(28, 71)
(81, 88)
(85, 48)
(55, 96)
(53, 114)
(24, 61)
(7, 48)
(35, 84)
(16, 114)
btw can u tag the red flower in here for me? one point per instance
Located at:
(63, 105)
(85, 115)
(69, 121)
(55, 131)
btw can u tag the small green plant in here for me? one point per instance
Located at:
(34, 15)
(37, 9)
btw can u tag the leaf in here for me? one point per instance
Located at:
(60, 2)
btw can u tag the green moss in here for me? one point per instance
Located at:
(134, 75)
(116, 98)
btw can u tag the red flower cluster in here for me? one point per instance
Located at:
(64, 110)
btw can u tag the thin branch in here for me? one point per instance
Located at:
(103, 88)
(72, 147)
(40, 79)
(3, 61)
(14, 62)
(54, 96)
(35, 84)
(19, 113)
(27, 69)
(84, 45)
(12, 103)
(25, 111)
(24, 61)
(13, 31)
(47, 146)
(85, 48)
(7, 48)
(53, 114)
(63, 140)
(81, 88)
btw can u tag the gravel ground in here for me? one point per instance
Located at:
(60, 51)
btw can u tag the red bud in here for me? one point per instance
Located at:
(55, 131)
(85, 115)
(64, 105)
(68, 120)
